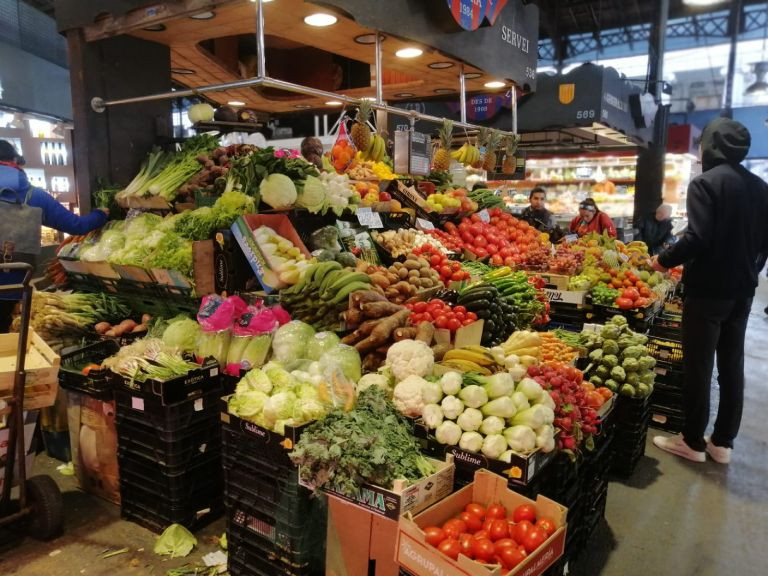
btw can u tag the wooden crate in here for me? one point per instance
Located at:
(42, 368)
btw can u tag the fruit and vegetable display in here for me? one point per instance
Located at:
(619, 359)
(399, 242)
(492, 535)
(404, 280)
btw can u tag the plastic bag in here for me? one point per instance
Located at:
(343, 152)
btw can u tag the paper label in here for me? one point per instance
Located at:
(198, 406)
(570, 238)
(484, 216)
(423, 224)
(369, 218)
(137, 403)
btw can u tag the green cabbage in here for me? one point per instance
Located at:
(321, 343)
(278, 191)
(291, 340)
(176, 542)
(182, 334)
(313, 196)
(344, 357)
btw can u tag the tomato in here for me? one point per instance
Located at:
(481, 253)
(416, 319)
(594, 399)
(520, 530)
(496, 511)
(480, 241)
(441, 321)
(467, 545)
(483, 549)
(645, 292)
(546, 524)
(498, 529)
(434, 535)
(467, 322)
(487, 524)
(454, 527)
(500, 545)
(454, 324)
(473, 521)
(426, 317)
(630, 294)
(480, 534)
(511, 557)
(625, 303)
(605, 393)
(524, 512)
(457, 276)
(533, 539)
(435, 260)
(497, 260)
(445, 271)
(450, 548)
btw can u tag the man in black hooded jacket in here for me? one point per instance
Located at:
(726, 238)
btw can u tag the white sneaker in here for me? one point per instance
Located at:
(719, 454)
(677, 446)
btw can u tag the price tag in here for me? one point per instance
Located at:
(623, 257)
(570, 238)
(198, 406)
(484, 216)
(137, 403)
(423, 224)
(369, 218)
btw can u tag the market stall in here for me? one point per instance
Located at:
(365, 368)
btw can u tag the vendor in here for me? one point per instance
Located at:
(591, 219)
(656, 229)
(539, 217)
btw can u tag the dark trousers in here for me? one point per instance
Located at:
(713, 327)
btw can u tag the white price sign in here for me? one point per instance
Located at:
(423, 224)
(369, 218)
(484, 216)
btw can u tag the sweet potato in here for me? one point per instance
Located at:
(425, 332)
(439, 350)
(362, 331)
(372, 361)
(382, 332)
(361, 297)
(406, 333)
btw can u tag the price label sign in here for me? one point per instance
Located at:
(369, 218)
(570, 238)
(423, 224)
(484, 216)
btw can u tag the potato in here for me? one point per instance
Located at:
(413, 273)
(146, 319)
(127, 325)
(102, 327)
(402, 273)
(112, 333)
(412, 264)
(139, 328)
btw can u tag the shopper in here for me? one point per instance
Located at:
(725, 240)
(591, 219)
(539, 217)
(656, 229)
(15, 185)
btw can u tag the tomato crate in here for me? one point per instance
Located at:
(155, 512)
(95, 383)
(173, 418)
(202, 476)
(174, 452)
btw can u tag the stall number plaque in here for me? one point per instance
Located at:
(412, 153)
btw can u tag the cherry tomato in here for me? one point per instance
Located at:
(454, 527)
(454, 324)
(533, 539)
(450, 548)
(472, 316)
(498, 529)
(496, 511)
(546, 524)
(520, 531)
(441, 321)
(483, 549)
(462, 310)
(511, 557)
(466, 321)
(473, 521)
(524, 512)
(474, 507)
(434, 535)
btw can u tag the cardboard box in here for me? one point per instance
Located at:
(422, 559)
(469, 335)
(577, 297)
(403, 497)
(554, 281)
(30, 421)
(231, 270)
(93, 439)
(41, 367)
(243, 229)
(359, 542)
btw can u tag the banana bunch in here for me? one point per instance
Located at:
(322, 294)
(466, 155)
(377, 149)
(471, 359)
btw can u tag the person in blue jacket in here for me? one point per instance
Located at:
(13, 181)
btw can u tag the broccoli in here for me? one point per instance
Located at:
(346, 259)
(323, 255)
(326, 238)
(618, 374)
(630, 365)
(611, 361)
(610, 347)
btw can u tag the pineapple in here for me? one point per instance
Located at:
(510, 164)
(442, 159)
(489, 163)
(360, 132)
(482, 140)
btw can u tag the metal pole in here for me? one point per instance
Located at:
(261, 66)
(734, 26)
(462, 93)
(379, 80)
(513, 99)
(660, 48)
(317, 125)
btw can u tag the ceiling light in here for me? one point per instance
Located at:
(444, 90)
(320, 20)
(302, 106)
(154, 28)
(702, 2)
(472, 75)
(236, 103)
(182, 71)
(203, 16)
(441, 65)
(369, 98)
(405, 95)
(495, 84)
(334, 103)
(409, 53)
(264, 1)
(368, 38)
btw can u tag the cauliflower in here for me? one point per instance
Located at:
(473, 396)
(373, 380)
(451, 383)
(494, 446)
(492, 425)
(470, 420)
(448, 433)
(452, 407)
(408, 397)
(432, 415)
(471, 442)
(410, 358)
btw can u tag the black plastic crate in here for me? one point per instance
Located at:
(669, 374)
(258, 443)
(629, 411)
(669, 396)
(95, 384)
(203, 476)
(667, 418)
(156, 513)
(624, 466)
(134, 408)
(194, 384)
(175, 451)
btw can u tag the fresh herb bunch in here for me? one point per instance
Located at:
(249, 170)
(371, 443)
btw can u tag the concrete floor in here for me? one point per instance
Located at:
(671, 518)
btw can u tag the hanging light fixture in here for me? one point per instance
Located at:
(759, 87)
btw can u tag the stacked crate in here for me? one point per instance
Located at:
(169, 452)
(275, 527)
(665, 345)
(631, 417)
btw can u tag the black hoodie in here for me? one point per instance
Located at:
(727, 219)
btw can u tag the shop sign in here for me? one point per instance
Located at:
(469, 14)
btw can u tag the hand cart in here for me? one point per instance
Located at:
(40, 503)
